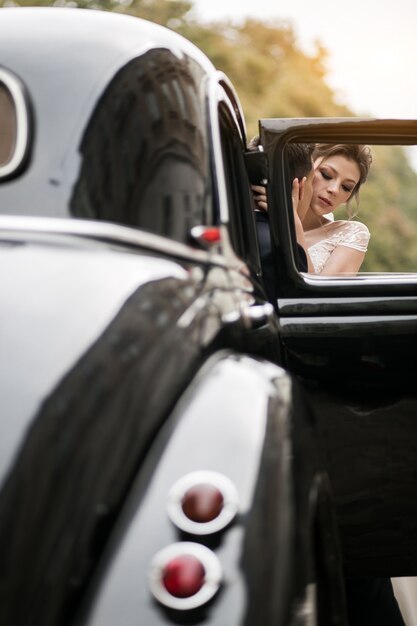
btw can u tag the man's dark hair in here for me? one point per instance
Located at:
(299, 158)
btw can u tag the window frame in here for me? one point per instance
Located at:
(275, 134)
(230, 178)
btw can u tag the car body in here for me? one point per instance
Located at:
(140, 353)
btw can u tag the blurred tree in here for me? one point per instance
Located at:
(272, 76)
(388, 207)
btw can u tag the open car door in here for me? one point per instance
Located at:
(352, 342)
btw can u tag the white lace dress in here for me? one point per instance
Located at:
(338, 233)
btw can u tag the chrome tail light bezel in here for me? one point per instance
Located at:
(212, 578)
(220, 482)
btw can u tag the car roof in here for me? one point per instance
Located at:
(82, 42)
(65, 59)
(74, 53)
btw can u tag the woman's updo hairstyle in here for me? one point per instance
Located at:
(361, 154)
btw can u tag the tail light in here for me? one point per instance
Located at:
(185, 575)
(201, 503)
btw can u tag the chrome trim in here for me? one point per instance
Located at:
(306, 610)
(255, 315)
(383, 278)
(16, 90)
(214, 95)
(350, 304)
(215, 479)
(228, 87)
(213, 575)
(43, 227)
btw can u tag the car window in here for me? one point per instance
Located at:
(8, 126)
(388, 206)
(144, 153)
(381, 222)
(14, 124)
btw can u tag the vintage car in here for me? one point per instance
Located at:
(176, 449)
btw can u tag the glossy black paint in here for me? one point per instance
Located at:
(81, 444)
(240, 404)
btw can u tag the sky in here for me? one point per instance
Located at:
(371, 44)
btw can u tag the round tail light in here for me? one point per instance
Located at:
(184, 575)
(201, 503)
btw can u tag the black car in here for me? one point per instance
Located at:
(174, 447)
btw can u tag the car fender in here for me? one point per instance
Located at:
(235, 419)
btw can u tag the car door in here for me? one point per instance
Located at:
(352, 342)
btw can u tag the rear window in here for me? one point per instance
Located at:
(14, 124)
(8, 126)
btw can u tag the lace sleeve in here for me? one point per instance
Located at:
(355, 235)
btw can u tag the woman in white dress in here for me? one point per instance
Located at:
(332, 246)
(337, 173)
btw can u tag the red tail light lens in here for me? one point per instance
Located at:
(201, 503)
(184, 575)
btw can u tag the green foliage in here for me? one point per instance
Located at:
(388, 208)
(275, 78)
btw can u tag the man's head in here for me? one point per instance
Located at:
(301, 170)
(300, 159)
(301, 167)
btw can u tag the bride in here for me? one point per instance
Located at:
(336, 246)
(337, 173)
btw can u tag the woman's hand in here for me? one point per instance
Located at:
(296, 194)
(259, 196)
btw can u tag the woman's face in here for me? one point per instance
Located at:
(335, 178)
